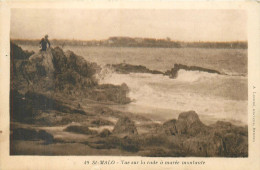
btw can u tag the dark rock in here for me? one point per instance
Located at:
(101, 122)
(53, 70)
(208, 145)
(24, 134)
(197, 139)
(235, 145)
(48, 138)
(125, 126)
(128, 68)
(189, 123)
(20, 108)
(80, 129)
(235, 138)
(27, 107)
(18, 53)
(56, 72)
(111, 93)
(169, 127)
(130, 144)
(105, 133)
(31, 134)
(215, 144)
(155, 140)
(173, 73)
(227, 127)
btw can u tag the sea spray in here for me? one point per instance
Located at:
(161, 92)
(191, 76)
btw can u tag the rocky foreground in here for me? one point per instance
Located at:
(59, 108)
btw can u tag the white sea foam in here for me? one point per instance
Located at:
(105, 72)
(191, 76)
(161, 92)
(191, 90)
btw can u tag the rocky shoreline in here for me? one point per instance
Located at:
(57, 102)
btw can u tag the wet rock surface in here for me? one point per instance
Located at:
(105, 133)
(31, 134)
(219, 139)
(62, 73)
(128, 68)
(125, 126)
(81, 130)
(173, 73)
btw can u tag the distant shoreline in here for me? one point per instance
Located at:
(137, 42)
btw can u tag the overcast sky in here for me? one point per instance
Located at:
(86, 24)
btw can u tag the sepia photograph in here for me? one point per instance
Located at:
(129, 82)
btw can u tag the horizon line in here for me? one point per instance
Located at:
(63, 39)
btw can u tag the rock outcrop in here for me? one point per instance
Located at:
(195, 138)
(65, 73)
(81, 130)
(31, 134)
(169, 127)
(104, 133)
(125, 126)
(187, 123)
(101, 122)
(27, 107)
(128, 68)
(18, 53)
(173, 73)
(55, 70)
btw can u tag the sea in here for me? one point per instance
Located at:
(214, 97)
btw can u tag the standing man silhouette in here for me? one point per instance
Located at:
(44, 41)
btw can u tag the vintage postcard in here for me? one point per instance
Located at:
(132, 85)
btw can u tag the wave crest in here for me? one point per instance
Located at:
(192, 76)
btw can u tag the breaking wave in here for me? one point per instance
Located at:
(189, 91)
(104, 73)
(192, 76)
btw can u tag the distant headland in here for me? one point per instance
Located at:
(138, 42)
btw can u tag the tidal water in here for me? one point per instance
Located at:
(214, 97)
